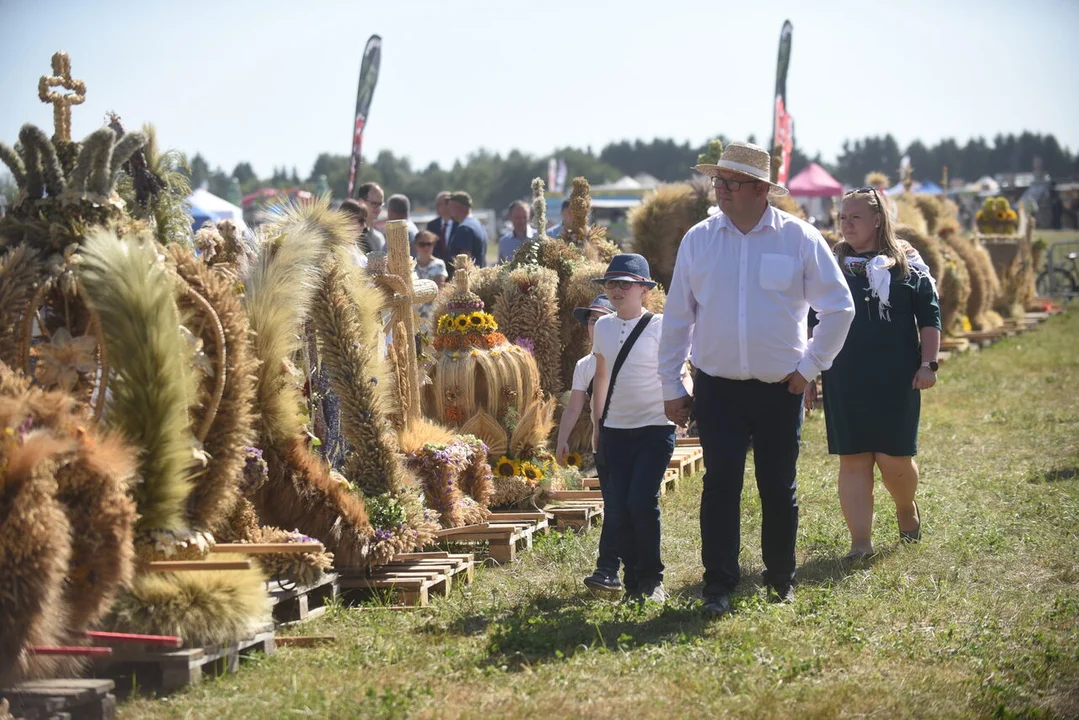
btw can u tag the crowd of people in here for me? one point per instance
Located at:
(760, 305)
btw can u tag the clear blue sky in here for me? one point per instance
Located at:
(274, 82)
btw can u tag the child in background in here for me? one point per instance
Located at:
(633, 437)
(605, 578)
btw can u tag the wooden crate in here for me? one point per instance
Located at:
(74, 699)
(412, 577)
(304, 602)
(168, 670)
(575, 514)
(504, 534)
(688, 442)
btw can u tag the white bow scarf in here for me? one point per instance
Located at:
(878, 271)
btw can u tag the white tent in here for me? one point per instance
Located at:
(204, 205)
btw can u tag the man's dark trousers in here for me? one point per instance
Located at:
(729, 413)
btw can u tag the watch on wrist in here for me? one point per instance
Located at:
(933, 365)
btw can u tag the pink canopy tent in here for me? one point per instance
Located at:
(814, 181)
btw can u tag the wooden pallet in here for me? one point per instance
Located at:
(687, 460)
(504, 533)
(670, 482)
(575, 514)
(73, 699)
(412, 577)
(955, 344)
(304, 602)
(168, 670)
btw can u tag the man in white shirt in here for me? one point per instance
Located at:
(509, 243)
(743, 283)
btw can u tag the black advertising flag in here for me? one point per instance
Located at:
(782, 130)
(372, 58)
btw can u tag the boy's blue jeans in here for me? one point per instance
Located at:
(632, 463)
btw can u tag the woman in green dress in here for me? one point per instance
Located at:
(873, 390)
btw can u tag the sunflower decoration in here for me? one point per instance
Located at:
(532, 472)
(996, 217)
(506, 467)
(574, 459)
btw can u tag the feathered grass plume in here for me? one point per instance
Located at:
(301, 568)
(528, 308)
(35, 546)
(37, 145)
(301, 494)
(172, 220)
(539, 207)
(417, 434)
(280, 286)
(350, 350)
(658, 224)
(216, 488)
(533, 429)
(203, 608)
(152, 382)
(20, 272)
(14, 163)
(93, 485)
(316, 221)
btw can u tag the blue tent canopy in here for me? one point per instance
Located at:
(923, 188)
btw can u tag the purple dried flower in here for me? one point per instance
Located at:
(526, 343)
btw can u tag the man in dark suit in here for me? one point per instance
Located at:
(469, 236)
(442, 226)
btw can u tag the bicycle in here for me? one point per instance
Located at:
(1060, 280)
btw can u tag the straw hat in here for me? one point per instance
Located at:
(745, 159)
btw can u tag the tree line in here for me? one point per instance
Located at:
(495, 180)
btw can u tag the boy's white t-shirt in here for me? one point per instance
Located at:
(637, 399)
(583, 372)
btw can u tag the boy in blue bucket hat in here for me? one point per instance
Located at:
(633, 438)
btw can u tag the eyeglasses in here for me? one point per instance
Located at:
(618, 284)
(731, 185)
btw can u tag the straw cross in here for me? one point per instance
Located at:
(61, 102)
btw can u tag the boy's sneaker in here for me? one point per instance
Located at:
(781, 595)
(717, 604)
(656, 593)
(601, 582)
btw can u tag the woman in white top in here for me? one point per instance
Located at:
(605, 578)
(633, 437)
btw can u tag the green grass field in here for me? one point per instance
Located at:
(979, 620)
